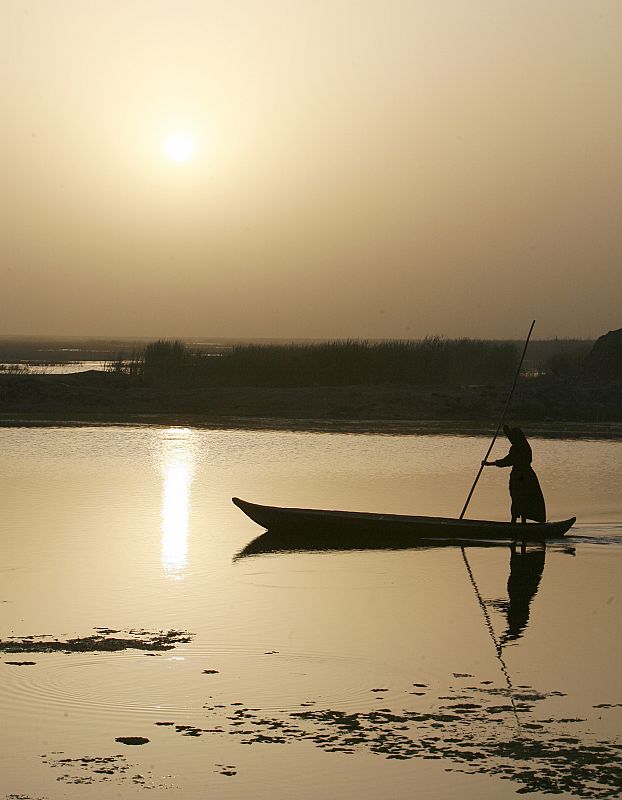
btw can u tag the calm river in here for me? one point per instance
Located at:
(375, 674)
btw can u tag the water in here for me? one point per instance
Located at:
(62, 368)
(319, 674)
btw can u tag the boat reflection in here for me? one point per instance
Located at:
(283, 541)
(178, 462)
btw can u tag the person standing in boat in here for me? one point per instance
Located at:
(525, 491)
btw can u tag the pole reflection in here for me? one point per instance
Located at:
(178, 463)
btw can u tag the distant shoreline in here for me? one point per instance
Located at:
(543, 407)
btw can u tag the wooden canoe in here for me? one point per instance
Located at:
(297, 521)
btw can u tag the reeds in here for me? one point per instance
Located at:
(430, 361)
(568, 362)
(132, 365)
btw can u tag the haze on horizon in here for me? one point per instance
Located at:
(340, 169)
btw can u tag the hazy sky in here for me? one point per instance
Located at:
(366, 169)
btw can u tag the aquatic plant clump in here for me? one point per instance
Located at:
(478, 730)
(91, 769)
(105, 640)
(132, 740)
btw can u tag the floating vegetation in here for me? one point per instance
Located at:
(105, 640)
(226, 769)
(96, 769)
(481, 736)
(22, 797)
(132, 740)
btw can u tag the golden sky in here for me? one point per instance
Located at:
(367, 169)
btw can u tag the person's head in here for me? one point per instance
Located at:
(515, 435)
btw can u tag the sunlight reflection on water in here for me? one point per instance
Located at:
(178, 463)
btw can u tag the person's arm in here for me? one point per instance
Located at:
(500, 462)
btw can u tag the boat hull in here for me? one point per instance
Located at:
(308, 521)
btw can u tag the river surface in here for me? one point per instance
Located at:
(62, 368)
(429, 672)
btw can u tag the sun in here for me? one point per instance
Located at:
(179, 147)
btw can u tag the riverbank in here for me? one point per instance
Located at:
(546, 407)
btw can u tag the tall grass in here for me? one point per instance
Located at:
(559, 358)
(131, 364)
(568, 360)
(431, 361)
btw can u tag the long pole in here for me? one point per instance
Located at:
(482, 604)
(497, 644)
(501, 421)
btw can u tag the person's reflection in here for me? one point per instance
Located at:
(526, 567)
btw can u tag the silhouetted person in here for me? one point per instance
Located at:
(526, 567)
(525, 491)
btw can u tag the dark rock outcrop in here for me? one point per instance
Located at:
(604, 362)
